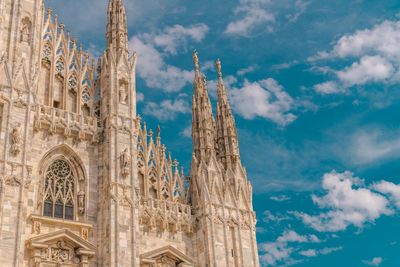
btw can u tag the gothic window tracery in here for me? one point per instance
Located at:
(73, 83)
(85, 96)
(59, 191)
(47, 52)
(60, 67)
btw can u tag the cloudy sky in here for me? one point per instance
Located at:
(314, 86)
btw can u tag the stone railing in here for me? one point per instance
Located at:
(66, 123)
(165, 215)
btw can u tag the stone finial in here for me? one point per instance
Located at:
(218, 65)
(196, 60)
(158, 131)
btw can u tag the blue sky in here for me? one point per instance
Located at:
(314, 88)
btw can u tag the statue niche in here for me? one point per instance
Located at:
(125, 162)
(123, 92)
(16, 140)
(26, 29)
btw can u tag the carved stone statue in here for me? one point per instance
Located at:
(125, 160)
(122, 94)
(81, 202)
(25, 34)
(16, 140)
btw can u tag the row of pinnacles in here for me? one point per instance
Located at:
(83, 182)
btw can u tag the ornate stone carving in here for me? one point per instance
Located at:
(81, 202)
(59, 253)
(16, 140)
(125, 162)
(36, 227)
(122, 93)
(85, 233)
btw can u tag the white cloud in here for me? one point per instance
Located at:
(151, 62)
(244, 71)
(371, 145)
(374, 262)
(280, 198)
(266, 99)
(326, 251)
(171, 38)
(382, 39)
(277, 218)
(285, 65)
(250, 14)
(301, 7)
(139, 97)
(167, 110)
(187, 132)
(375, 54)
(369, 69)
(348, 202)
(281, 250)
(328, 88)
(390, 189)
(308, 253)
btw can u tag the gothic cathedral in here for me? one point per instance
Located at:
(84, 183)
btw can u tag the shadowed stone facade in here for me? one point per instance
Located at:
(83, 182)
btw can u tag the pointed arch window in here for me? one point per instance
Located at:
(59, 191)
(47, 52)
(73, 83)
(85, 96)
(60, 67)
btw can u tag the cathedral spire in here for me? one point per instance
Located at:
(117, 31)
(226, 127)
(203, 124)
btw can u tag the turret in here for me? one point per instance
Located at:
(203, 124)
(226, 128)
(117, 31)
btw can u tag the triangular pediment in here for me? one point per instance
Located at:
(64, 235)
(167, 251)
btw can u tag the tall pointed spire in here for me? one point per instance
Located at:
(203, 124)
(226, 128)
(117, 31)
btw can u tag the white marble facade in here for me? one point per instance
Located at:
(83, 182)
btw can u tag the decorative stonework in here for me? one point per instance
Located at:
(83, 182)
(125, 162)
(165, 216)
(65, 123)
(16, 140)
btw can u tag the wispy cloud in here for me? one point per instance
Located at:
(249, 15)
(263, 16)
(300, 8)
(374, 262)
(244, 71)
(168, 109)
(288, 249)
(280, 198)
(370, 145)
(153, 48)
